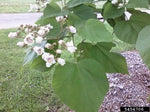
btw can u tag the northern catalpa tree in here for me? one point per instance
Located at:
(70, 38)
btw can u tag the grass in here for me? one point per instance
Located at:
(15, 6)
(23, 89)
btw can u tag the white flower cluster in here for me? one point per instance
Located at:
(49, 58)
(34, 34)
(38, 5)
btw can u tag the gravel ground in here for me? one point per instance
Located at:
(128, 90)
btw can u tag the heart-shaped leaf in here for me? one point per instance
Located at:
(82, 85)
(112, 62)
(143, 44)
(95, 31)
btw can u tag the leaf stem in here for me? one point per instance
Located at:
(75, 54)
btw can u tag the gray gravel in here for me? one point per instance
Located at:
(128, 90)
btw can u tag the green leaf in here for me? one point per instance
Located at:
(142, 18)
(95, 31)
(82, 85)
(143, 44)
(74, 3)
(53, 10)
(39, 64)
(111, 11)
(112, 62)
(84, 12)
(138, 4)
(128, 30)
(30, 55)
(76, 21)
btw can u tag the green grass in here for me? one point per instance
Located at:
(15, 6)
(23, 89)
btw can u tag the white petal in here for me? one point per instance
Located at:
(29, 40)
(59, 18)
(72, 29)
(39, 40)
(114, 1)
(61, 61)
(69, 44)
(41, 32)
(58, 51)
(12, 35)
(48, 65)
(21, 44)
(38, 50)
(71, 49)
(48, 46)
(60, 42)
(45, 55)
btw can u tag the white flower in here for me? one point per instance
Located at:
(58, 51)
(60, 18)
(49, 26)
(45, 4)
(38, 50)
(12, 35)
(99, 15)
(48, 65)
(39, 39)
(120, 5)
(114, 1)
(21, 44)
(26, 30)
(33, 7)
(41, 32)
(44, 55)
(60, 42)
(70, 47)
(72, 29)
(29, 39)
(61, 61)
(49, 59)
(128, 15)
(48, 46)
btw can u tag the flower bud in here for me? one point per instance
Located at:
(58, 51)
(49, 46)
(61, 61)
(114, 1)
(61, 42)
(12, 35)
(60, 18)
(72, 29)
(21, 44)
